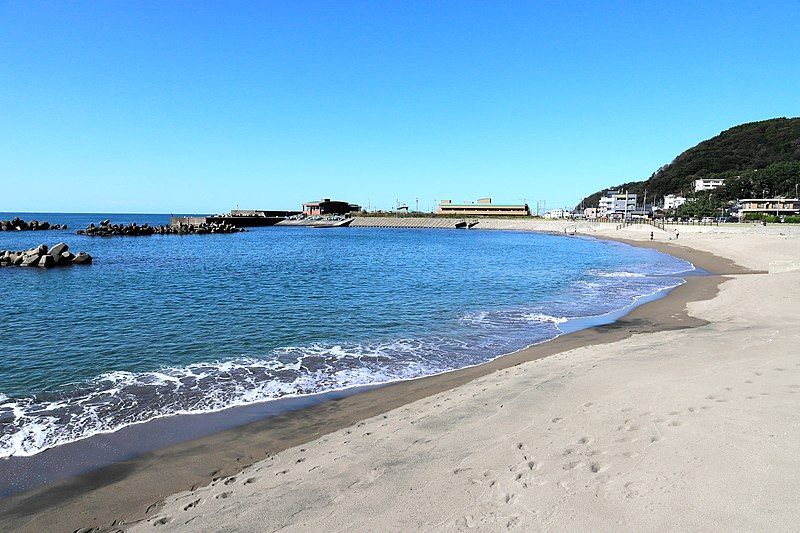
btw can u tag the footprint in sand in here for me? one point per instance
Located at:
(224, 495)
(190, 505)
(230, 480)
(509, 498)
(250, 480)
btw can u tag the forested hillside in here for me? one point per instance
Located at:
(758, 158)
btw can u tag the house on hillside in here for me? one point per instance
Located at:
(708, 184)
(672, 201)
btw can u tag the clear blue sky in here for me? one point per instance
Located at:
(199, 106)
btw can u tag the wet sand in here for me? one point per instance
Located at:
(134, 489)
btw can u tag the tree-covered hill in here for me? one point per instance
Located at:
(757, 158)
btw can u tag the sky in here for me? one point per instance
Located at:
(201, 106)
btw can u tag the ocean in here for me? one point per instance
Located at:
(168, 325)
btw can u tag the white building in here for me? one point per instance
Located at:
(617, 205)
(707, 184)
(672, 201)
(591, 212)
(557, 213)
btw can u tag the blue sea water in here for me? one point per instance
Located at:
(167, 325)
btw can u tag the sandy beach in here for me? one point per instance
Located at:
(683, 414)
(686, 429)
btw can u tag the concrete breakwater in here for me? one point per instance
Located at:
(516, 224)
(106, 229)
(41, 256)
(17, 224)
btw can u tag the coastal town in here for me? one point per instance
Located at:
(614, 205)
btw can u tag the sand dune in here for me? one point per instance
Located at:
(688, 429)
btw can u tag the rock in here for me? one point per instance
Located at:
(135, 230)
(58, 249)
(82, 259)
(17, 224)
(30, 260)
(39, 256)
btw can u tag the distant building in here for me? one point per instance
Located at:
(591, 212)
(483, 207)
(672, 201)
(708, 184)
(769, 206)
(557, 213)
(616, 205)
(327, 206)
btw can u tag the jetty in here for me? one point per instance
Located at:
(17, 224)
(241, 218)
(412, 222)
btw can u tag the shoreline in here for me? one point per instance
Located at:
(100, 497)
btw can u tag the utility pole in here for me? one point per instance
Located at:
(416, 208)
(644, 204)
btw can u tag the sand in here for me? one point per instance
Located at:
(693, 426)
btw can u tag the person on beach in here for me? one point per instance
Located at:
(676, 235)
(651, 235)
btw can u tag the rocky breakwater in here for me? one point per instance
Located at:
(17, 224)
(41, 256)
(106, 229)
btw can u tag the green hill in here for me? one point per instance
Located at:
(757, 158)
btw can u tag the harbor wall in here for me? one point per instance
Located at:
(518, 224)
